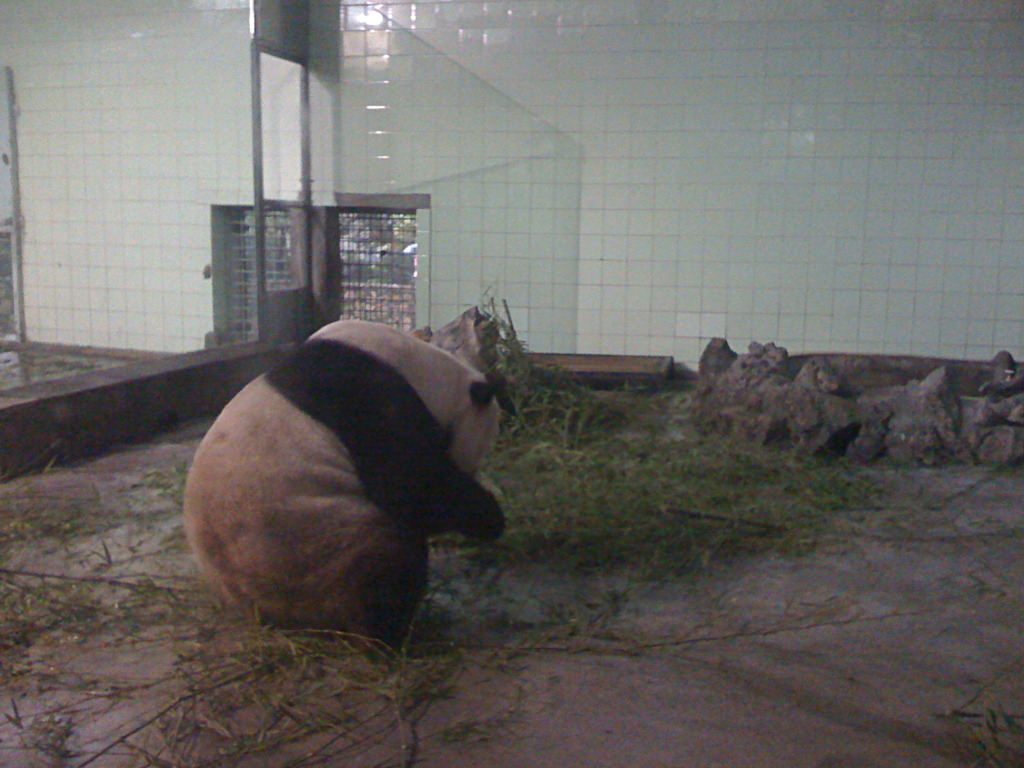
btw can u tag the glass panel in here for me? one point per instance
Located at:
(281, 110)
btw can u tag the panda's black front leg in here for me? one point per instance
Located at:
(426, 491)
(406, 470)
(394, 588)
(462, 504)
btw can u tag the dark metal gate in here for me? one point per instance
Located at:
(362, 264)
(234, 273)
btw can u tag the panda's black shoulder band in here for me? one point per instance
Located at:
(397, 447)
(356, 394)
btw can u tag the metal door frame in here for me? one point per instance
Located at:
(274, 28)
(15, 225)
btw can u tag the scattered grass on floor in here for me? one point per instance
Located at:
(269, 689)
(660, 508)
(601, 481)
(232, 689)
(996, 737)
(30, 514)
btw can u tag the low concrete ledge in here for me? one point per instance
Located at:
(90, 413)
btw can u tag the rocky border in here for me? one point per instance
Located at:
(811, 407)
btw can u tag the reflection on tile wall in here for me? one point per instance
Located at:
(134, 120)
(832, 176)
(504, 184)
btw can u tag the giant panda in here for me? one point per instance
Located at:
(311, 498)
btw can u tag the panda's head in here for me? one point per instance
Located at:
(459, 397)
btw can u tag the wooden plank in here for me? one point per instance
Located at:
(610, 370)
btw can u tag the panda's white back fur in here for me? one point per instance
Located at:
(265, 477)
(278, 518)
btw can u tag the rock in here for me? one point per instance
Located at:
(769, 355)
(815, 421)
(978, 414)
(745, 372)
(1015, 415)
(770, 398)
(1001, 445)
(1009, 410)
(425, 333)
(994, 431)
(753, 399)
(817, 374)
(875, 410)
(1007, 378)
(463, 338)
(925, 424)
(716, 359)
(977, 417)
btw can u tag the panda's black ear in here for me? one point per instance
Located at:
(499, 389)
(481, 393)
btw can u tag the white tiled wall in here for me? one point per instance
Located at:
(135, 118)
(832, 176)
(633, 176)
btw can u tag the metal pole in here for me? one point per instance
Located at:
(17, 223)
(305, 118)
(259, 228)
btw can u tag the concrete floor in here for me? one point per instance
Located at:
(873, 651)
(884, 647)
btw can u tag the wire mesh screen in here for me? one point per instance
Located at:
(7, 326)
(374, 248)
(241, 320)
(378, 263)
